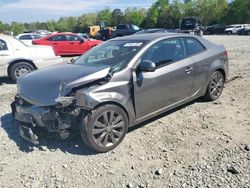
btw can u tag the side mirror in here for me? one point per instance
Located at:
(81, 41)
(146, 66)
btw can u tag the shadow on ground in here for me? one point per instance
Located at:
(6, 81)
(74, 144)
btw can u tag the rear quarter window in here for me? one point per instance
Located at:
(193, 46)
(3, 45)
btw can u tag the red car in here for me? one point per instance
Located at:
(67, 43)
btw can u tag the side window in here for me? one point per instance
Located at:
(57, 38)
(193, 46)
(36, 36)
(3, 45)
(73, 38)
(25, 37)
(165, 52)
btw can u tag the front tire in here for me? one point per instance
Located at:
(20, 69)
(215, 86)
(105, 128)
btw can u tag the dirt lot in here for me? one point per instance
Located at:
(198, 145)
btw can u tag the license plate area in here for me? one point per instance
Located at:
(26, 118)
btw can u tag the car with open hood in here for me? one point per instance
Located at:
(119, 84)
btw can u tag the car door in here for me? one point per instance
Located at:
(59, 43)
(171, 82)
(5, 53)
(76, 45)
(201, 59)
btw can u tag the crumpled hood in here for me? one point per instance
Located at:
(44, 86)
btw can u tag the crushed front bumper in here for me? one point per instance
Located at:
(27, 133)
(55, 120)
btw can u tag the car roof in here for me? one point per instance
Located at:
(151, 36)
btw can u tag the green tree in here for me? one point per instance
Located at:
(151, 18)
(134, 15)
(117, 17)
(2, 27)
(104, 15)
(239, 12)
(17, 28)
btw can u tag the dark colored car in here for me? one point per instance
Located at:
(125, 29)
(192, 25)
(155, 30)
(215, 29)
(67, 43)
(104, 34)
(119, 84)
(244, 31)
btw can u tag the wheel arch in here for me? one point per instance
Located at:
(113, 103)
(18, 61)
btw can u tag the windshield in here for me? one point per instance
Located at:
(114, 54)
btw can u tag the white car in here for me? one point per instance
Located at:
(18, 59)
(233, 29)
(28, 37)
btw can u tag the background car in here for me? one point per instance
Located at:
(67, 43)
(17, 59)
(119, 84)
(124, 29)
(215, 29)
(244, 31)
(191, 25)
(28, 37)
(233, 29)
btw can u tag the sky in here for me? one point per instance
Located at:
(43, 10)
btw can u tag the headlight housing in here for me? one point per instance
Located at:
(65, 101)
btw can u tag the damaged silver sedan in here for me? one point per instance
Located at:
(118, 84)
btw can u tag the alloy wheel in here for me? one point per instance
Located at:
(108, 129)
(216, 85)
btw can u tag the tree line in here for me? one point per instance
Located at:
(162, 14)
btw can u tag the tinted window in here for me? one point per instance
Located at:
(3, 45)
(25, 37)
(165, 52)
(36, 36)
(57, 38)
(193, 46)
(121, 27)
(73, 38)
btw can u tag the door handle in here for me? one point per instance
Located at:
(188, 69)
(55, 43)
(4, 55)
(71, 43)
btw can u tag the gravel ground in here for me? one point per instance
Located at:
(197, 145)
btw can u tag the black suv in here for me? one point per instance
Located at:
(216, 29)
(125, 29)
(191, 25)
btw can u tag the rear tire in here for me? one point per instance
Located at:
(215, 86)
(105, 128)
(20, 69)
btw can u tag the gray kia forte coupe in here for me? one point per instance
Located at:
(118, 84)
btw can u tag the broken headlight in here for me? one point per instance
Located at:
(65, 101)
